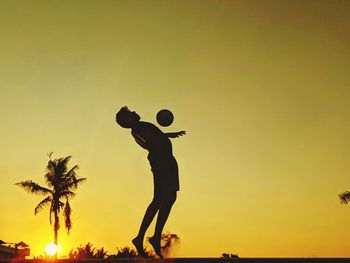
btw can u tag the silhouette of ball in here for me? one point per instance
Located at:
(165, 117)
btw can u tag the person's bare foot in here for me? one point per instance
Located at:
(156, 246)
(138, 243)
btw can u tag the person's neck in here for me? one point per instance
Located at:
(132, 126)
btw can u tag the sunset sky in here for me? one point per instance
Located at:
(261, 87)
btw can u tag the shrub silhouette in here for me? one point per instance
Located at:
(344, 197)
(228, 256)
(168, 242)
(88, 252)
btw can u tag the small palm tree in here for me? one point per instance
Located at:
(62, 184)
(344, 197)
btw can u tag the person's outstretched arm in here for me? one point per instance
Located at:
(175, 134)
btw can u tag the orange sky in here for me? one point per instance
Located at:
(261, 87)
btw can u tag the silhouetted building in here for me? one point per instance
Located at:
(13, 250)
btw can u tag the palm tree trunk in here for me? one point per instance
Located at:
(56, 237)
(55, 229)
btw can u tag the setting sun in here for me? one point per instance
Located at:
(51, 249)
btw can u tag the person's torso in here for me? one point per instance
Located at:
(156, 142)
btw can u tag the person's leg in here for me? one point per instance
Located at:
(168, 199)
(151, 211)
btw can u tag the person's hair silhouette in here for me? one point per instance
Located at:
(165, 174)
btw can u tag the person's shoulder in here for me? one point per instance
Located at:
(147, 126)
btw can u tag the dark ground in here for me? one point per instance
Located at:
(192, 260)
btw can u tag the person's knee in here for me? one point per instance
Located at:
(169, 198)
(155, 201)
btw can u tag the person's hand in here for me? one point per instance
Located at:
(181, 133)
(175, 134)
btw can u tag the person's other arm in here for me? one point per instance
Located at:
(175, 134)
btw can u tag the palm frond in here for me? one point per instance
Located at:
(34, 188)
(42, 204)
(51, 164)
(70, 179)
(71, 183)
(60, 205)
(62, 164)
(67, 194)
(344, 197)
(71, 172)
(50, 179)
(67, 214)
(50, 154)
(50, 175)
(78, 181)
(57, 169)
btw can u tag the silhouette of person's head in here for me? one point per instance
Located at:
(126, 118)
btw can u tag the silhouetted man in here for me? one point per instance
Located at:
(165, 174)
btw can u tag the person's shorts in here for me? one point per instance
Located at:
(165, 173)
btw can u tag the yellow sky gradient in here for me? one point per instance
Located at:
(261, 87)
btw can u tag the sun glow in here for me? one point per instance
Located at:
(51, 249)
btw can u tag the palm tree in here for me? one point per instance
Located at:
(62, 183)
(344, 197)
